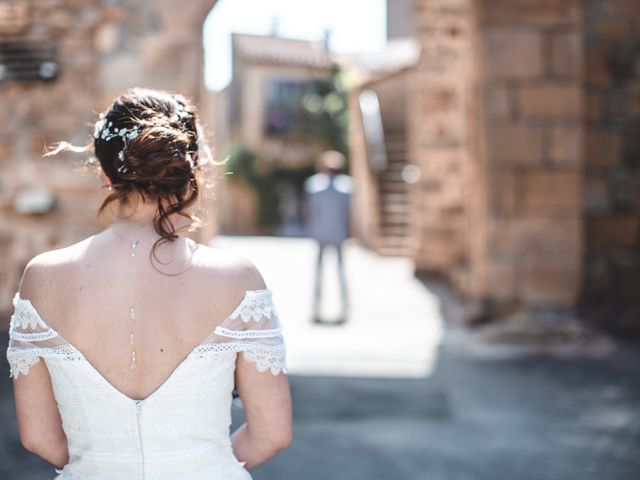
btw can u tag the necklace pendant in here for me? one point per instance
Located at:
(134, 244)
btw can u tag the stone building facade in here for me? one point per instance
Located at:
(522, 120)
(611, 201)
(97, 49)
(267, 70)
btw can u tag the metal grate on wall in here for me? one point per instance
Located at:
(28, 61)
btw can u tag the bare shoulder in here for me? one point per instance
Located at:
(238, 272)
(47, 269)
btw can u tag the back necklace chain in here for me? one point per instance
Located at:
(132, 310)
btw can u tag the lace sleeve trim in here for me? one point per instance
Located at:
(25, 316)
(21, 362)
(255, 305)
(32, 337)
(247, 333)
(266, 358)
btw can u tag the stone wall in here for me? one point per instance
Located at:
(527, 234)
(103, 48)
(36, 114)
(526, 126)
(440, 134)
(612, 162)
(497, 127)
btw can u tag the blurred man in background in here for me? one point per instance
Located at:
(327, 219)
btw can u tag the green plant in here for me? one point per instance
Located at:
(242, 164)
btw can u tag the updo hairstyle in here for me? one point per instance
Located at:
(150, 145)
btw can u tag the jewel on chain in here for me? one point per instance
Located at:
(132, 311)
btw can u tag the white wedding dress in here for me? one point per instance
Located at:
(179, 432)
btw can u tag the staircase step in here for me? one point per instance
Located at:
(395, 163)
(394, 208)
(391, 178)
(390, 187)
(394, 176)
(396, 246)
(393, 221)
(394, 198)
(394, 230)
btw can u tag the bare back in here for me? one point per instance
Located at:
(83, 291)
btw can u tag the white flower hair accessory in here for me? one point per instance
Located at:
(123, 168)
(181, 113)
(105, 131)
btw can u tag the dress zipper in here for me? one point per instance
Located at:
(138, 412)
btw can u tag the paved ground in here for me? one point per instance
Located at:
(394, 394)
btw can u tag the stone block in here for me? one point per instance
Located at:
(612, 233)
(501, 281)
(566, 54)
(633, 97)
(428, 11)
(510, 53)
(500, 239)
(550, 101)
(593, 108)
(528, 12)
(596, 65)
(502, 193)
(623, 8)
(439, 254)
(603, 149)
(498, 101)
(440, 98)
(442, 162)
(566, 145)
(614, 28)
(549, 285)
(514, 144)
(547, 240)
(595, 195)
(442, 130)
(552, 192)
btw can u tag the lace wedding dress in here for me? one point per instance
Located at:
(181, 430)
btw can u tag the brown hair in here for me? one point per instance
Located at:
(150, 144)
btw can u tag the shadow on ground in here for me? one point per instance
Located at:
(526, 417)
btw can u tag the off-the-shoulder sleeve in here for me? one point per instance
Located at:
(29, 337)
(254, 329)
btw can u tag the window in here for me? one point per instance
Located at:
(284, 112)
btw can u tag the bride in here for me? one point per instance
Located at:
(144, 333)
